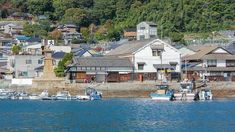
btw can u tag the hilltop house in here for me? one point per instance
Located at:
(151, 59)
(21, 16)
(212, 62)
(146, 30)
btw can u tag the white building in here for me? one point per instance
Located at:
(150, 58)
(146, 30)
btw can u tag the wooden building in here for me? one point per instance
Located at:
(99, 69)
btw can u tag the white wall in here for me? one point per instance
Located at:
(66, 49)
(21, 81)
(145, 55)
(220, 50)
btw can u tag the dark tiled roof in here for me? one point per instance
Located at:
(211, 69)
(102, 62)
(130, 29)
(151, 23)
(34, 39)
(58, 55)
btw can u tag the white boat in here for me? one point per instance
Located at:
(185, 92)
(23, 96)
(34, 97)
(63, 95)
(162, 93)
(205, 94)
(90, 94)
(83, 97)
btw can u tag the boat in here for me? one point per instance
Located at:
(45, 95)
(34, 97)
(163, 93)
(23, 95)
(185, 92)
(6, 94)
(204, 94)
(63, 95)
(90, 94)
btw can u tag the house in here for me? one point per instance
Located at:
(21, 39)
(23, 66)
(13, 29)
(100, 69)
(68, 28)
(32, 49)
(152, 59)
(146, 30)
(211, 62)
(130, 33)
(6, 42)
(21, 16)
(69, 36)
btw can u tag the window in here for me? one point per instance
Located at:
(142, 37)
(140, 66)
(211, 63)
(40, 61)
(230, 63)
(28, 61)
(156, 52)
(142, 28)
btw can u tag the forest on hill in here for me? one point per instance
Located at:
(173, 17)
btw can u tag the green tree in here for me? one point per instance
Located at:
(67, 59)
(39, 7)
(75, 15)
(15, 49)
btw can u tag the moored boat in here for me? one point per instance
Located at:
(162, 93)
(90, 94)
(63, 95)
(185, 92)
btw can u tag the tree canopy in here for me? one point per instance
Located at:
(172, 16)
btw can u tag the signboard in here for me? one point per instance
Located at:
(50, 42)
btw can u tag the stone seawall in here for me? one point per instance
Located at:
(126, 89)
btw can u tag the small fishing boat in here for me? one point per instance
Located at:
(204, 94)
(185, 92)
(23, 95)
(34, 97)
(162, 93)
(90, 94)
(63, 95)
(6, 94)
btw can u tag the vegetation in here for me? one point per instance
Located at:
(15, 49)
(172, 17)
(59, 70)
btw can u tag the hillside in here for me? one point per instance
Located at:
(173, 17)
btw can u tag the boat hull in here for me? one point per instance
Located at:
(184, 96)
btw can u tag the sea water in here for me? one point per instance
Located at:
(117, 115)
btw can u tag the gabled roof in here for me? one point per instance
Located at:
(22, 37)
(34, 39)
(203, 53)
(102, 62)
(129, 47)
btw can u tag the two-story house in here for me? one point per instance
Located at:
(212, 62)
(23, 66)
(146, 30)
(152, 59)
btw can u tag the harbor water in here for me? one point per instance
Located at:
(121, 115)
